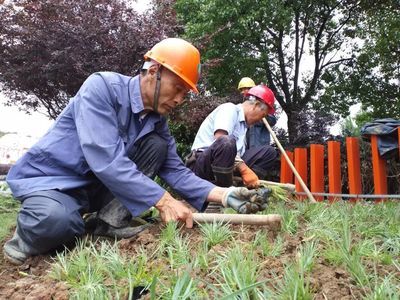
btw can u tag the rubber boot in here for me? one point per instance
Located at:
(223, 178)
(114, 220)
(16, 251)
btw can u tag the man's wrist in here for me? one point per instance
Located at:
(163, 200)
(224, 199)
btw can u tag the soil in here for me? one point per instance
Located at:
(31, 281)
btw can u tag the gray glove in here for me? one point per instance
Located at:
(246, 201)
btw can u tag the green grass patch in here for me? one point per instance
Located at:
(217, 261)
(8, 214)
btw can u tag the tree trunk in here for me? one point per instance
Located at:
(293, 121)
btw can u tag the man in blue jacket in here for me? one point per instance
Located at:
(102, 154)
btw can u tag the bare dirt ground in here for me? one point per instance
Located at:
(31, 281)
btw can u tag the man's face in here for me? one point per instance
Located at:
(256, 114)
(172, 91)
(244, 91)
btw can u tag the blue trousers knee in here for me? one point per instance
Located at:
(48, 219)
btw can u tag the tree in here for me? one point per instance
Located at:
(49, 47)
(375, 79)
(273, 41)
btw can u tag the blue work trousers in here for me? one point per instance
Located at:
(51, 218)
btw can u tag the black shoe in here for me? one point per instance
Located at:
(104, 229)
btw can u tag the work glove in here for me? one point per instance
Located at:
(246, 201)
(250, 179)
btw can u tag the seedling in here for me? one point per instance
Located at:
(86, 268)
(307, 252)
(215, 233)
(237, 271)
(268, 249)
(182, 286)
(178, 252)
(294, 285)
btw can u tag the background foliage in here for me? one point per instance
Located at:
(319, 57)
(49, 47)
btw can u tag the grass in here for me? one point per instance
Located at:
(8, 214)
(237, 273)
(268, 248)
(99, 271)
(361, 239)
(215, 233)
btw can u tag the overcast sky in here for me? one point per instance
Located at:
(13, 120)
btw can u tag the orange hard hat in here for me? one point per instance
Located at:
(180, 57)
(265, 94)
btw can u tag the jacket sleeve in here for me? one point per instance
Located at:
(181, 179)
(104, 150)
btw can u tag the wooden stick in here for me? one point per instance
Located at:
(274, 220)
(303, 185)
(286, 186)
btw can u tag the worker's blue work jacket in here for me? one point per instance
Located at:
(89, 142)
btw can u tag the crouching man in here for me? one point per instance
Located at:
(219, 148)
(102, 154)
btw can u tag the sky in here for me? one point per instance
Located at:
(14, 120)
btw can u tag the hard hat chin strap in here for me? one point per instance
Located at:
(157, 90)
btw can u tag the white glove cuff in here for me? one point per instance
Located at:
(224, 199)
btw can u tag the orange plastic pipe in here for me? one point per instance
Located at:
(334, 171)
(300, 162)
(317, 170)
(353, 165)
(379, 169)
(286, 171)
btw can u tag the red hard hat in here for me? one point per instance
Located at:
(265, 94)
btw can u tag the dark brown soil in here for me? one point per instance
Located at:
(31, 281)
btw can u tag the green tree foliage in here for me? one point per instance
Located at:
(375, 78)
(49, 47)
(274, 42)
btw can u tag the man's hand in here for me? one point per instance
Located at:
(174, 210)
(250, 179)
(246, 201)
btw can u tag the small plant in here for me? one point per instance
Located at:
(278, 194)
(294, 285)
(268, 249)
(203, 258)
(215, 233)
(168, 235)
(306, 254)
(237, 274)
(356, 269)
(86, 267)
(386, 289)
(178, 252)
(181, 287)
(289, 220)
